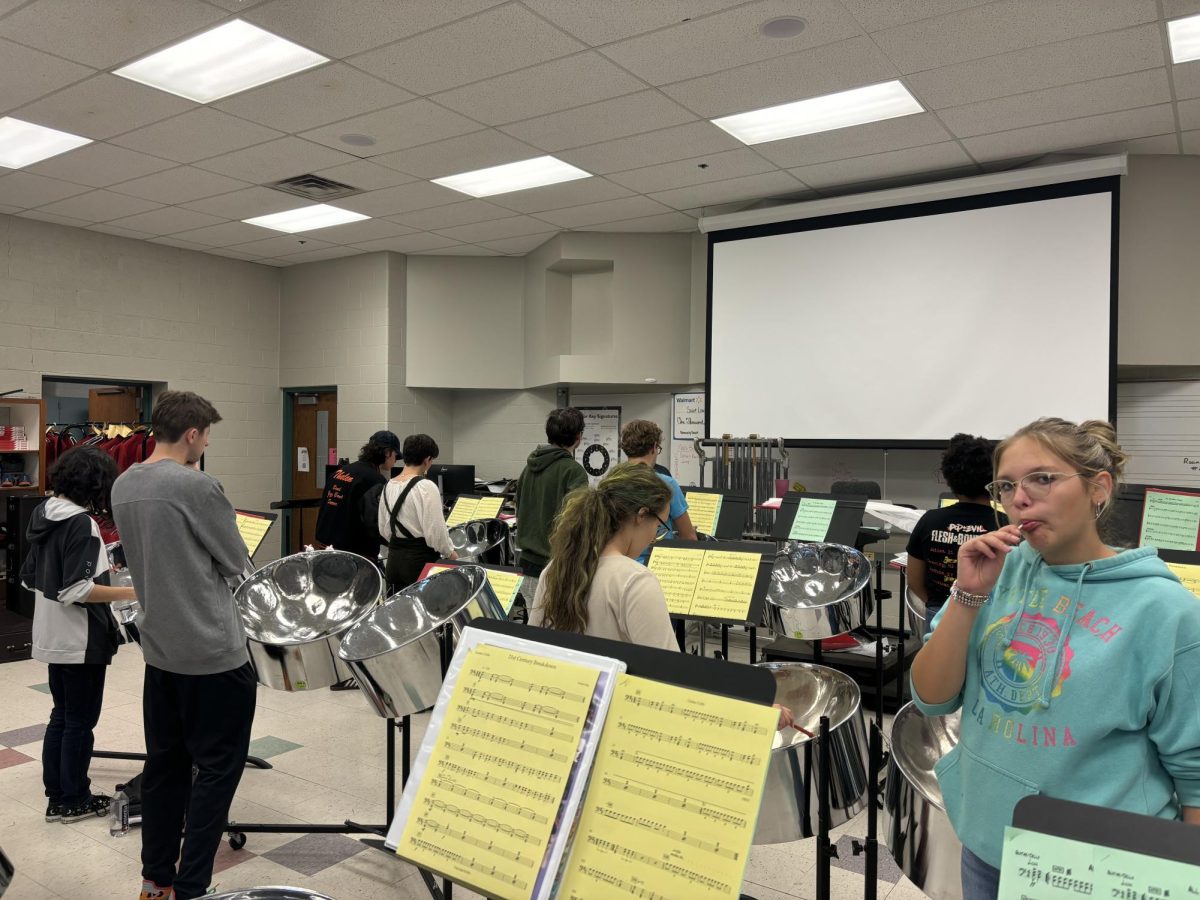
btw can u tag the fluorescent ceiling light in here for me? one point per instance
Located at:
(23, 143)
(529, 173)
(841, 110)
(307, 218)
(1185, 39)
(227, 59)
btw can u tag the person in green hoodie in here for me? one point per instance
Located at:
(1074, 663)
(550, 474)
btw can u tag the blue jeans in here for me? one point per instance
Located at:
(979, 880)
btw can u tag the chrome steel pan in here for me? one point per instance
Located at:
(816, 591)
(395, 652)
(915, 824)
(482, 540)
(270, 893)
(295, 609)
(915, 613)
(789, 807)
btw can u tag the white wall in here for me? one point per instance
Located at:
(497, 430)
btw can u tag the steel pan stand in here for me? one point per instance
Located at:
(875, 762)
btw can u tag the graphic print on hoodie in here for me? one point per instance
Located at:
(1083, 684)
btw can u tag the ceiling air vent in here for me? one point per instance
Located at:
(314, 187)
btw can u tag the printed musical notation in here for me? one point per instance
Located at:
(717, 584)
(1188, 574)
(813, 516)
(1171, 520)
(704, 509)
(252, 528)
(468, 508)
(506, 585)
(665, 745)
(487, 803)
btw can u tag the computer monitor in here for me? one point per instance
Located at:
(453, 480)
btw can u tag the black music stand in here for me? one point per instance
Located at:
(734, 513)
(300, 503)
(843, 527)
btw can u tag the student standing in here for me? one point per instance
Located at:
(641, 442)
(410, 516)
(549, 475)
(349, 510)
(181, 543)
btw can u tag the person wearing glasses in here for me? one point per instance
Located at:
(641, 442)
(933, 546)
(1075, 664)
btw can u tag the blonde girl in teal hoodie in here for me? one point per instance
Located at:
(1076, 665)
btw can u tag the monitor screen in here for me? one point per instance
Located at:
(453, 480)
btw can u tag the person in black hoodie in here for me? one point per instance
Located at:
(350, 504)
(74, 632)
(550, 474)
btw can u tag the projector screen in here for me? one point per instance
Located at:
(899, 327)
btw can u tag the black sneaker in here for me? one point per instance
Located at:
(95, 806)
(53, 812)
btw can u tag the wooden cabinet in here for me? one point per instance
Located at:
(30, 414)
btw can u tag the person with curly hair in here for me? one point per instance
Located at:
(74, 631)
(641, 442)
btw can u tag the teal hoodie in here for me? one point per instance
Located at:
(1083, 684)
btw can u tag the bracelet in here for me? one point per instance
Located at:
(971, 601)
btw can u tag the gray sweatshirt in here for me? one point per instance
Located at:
(181, 543)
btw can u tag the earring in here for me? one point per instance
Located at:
(1099, 510)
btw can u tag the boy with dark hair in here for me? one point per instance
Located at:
(181, 543)
(410, 516)
(350, 502)
(550, 474)
(74, 632)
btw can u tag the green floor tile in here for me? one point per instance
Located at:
(266, 747)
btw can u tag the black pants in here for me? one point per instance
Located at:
(78, 691)
(531, 568)
(407, 557)
(191, 719)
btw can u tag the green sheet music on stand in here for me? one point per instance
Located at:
(813, 516)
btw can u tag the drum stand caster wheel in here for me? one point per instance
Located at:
(237, 840)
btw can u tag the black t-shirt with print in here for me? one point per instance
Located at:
(936, 540)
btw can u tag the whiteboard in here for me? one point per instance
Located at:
(1158, 425)
(687, 424)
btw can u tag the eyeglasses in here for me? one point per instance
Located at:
(663, 528)
(1036, 485)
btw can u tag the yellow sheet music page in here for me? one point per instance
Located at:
(464, 511)
(674, 795)
(506, 585)
(1188, 574)
(678, 570)
(252, 529)
(726, 584)
(704, 510)
(489, 796)
(488, 507)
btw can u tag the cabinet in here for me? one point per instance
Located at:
(28, 413)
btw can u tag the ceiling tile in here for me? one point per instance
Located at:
(1191, 142)
(875, 137)
(99, 206)
(282, 244)
(749, 187)
(684, 172)
(1173, 9)
(1072, 101)
(276, 160)
(1081, 59)
(235, 6)
(406, 197)
(25, 190)
(413, 243)
(179, 185)
(1154, 145)
(883, 165)
(876, 16)
(167, 220)
(176, 242)
(317, 97)
(452, 214)
(326, 27)
(809, 73)
(519, 246)
(1131, 123)
(896, 181)
(729, 39)
(110, 228)
(103, 106)
(461, 250)
(665, 145)
(1187, 80)
(196, 135)
(499, 40)
(42, 216)
(222, 235)
(235, 254)
(556, 196)
(550, 87)
(608, 211)
(1003, 27)
(9, 210)
(104, 34)
(365, 175)
(99, 165)
(1189, 115)
(26, 74)
(406, 125)
(596, 23)
(465, 153)
(357, 232)
(672, 221)
(496, 229)
(307, 256)
(245, 203)
(603, 121)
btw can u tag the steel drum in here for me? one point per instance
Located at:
(270, 893)
(914, 611)
(816, 591)
(915, 824)
(294, 611)
(482, 540)
(789, 807)
(395, 652)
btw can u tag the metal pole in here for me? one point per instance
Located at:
(824, 848)
(391, 772)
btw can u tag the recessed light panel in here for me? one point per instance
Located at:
(23, 143)
(832, 111)
(1185, 39)
(225, 60)
(307, 218)
(518, 176)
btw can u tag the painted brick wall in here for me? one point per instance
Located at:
(496, 430)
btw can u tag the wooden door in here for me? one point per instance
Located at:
(314, 430)
(114, 404)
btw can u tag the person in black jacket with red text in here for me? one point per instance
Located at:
(350, 504)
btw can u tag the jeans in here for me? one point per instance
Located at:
(78, 691)
(979, 880)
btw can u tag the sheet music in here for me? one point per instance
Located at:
(489, 796)
(813, 516)
(1171, 521)
(488, 507)
(704, 509)
(505, 585)
(463, 511)
(678, 571)
(674, 795)
(1188, 574)
(715, 583)
(252, 528)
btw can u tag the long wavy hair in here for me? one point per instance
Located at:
(587, 522)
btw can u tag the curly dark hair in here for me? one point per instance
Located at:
(84, 475)
(967, 465)
(639, 438)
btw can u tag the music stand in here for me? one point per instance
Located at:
(734, 513)
(843, 527)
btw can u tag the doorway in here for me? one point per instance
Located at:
(310, 430)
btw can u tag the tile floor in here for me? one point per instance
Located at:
(327, 750)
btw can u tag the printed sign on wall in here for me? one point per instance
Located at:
(601, 446)
(687, 424)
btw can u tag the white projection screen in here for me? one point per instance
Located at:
(899, 327)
